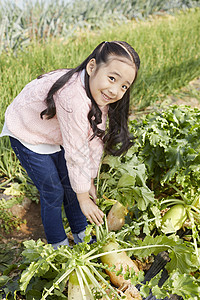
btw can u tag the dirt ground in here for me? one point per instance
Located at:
(32, 227)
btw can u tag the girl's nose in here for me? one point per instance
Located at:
(113, 91)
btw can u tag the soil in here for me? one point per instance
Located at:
(32, 227)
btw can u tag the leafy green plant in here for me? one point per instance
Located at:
(183, 285)
(21, 190)
(7, 170)
(150, 162)
(124, 179)
(14, 194)
(169, 146)
(14, 183)
(188, 211)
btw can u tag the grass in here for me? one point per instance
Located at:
(168, 46)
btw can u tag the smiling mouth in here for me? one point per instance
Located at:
(106, 98)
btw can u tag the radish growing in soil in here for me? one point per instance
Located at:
(181, 210)
(74, 288)
(116, 217)
(177, 215)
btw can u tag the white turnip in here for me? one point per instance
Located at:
(116, 217)
(74, 289)
(177, 215)
(120, 260)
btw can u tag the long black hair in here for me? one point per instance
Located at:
(117, 138)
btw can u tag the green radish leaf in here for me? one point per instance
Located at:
(60, 294)
(144, 291)
(146, 229)
(182, 255)
(27, 275)
(185, 285)
(167, 227)
(156, 212)
(111, 181)
(182, 258)
(143, 196)
(33, 294)
(112, 161)
(155, 280)
(126, 181)
(119, 271)
(3, 280)
(104, 175)
(158, 293)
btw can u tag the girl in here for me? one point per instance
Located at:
(57, 128)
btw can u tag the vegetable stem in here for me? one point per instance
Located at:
(194, 208)
(104, 281)
(194, 231)
(90, 252)
(123, 231)
(173, 201)
(129, 249)
(178, 191)
(66, 274)
(80, 280)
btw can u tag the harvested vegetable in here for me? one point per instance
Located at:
(121, 261)
(116, 217)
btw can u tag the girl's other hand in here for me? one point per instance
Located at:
(90, 209)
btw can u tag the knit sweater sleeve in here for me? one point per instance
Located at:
(96, 146)
(72, 111)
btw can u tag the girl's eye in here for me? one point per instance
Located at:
(112, 78)
(124, 87)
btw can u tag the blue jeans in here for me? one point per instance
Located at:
(49, 174)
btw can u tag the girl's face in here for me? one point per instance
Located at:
(109, 82)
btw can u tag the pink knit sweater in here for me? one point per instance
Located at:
(69, 127)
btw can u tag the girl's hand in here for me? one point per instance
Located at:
(90, 209)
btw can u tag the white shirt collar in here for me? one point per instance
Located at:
(82, 76)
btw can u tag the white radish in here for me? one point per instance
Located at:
(177, 215)
(116, 217)
(74, 289)
(120, 260)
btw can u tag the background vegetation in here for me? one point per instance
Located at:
(42, 19)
